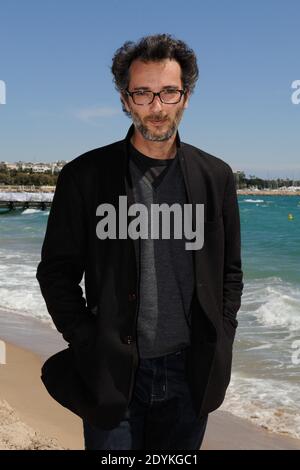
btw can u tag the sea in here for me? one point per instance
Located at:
(265, 383)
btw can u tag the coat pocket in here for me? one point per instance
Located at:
(229, 327)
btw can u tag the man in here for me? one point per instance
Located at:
(150, 349)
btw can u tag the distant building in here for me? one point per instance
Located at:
(11, 166)
(40, 167)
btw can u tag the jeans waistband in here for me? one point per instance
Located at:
(179, 352)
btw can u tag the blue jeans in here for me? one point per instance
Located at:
(160, 415)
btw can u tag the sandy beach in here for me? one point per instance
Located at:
(31, 419)
(268, 192)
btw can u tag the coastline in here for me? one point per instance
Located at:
(7, 188)
(246, 192)
(267, 192)
(40, 422)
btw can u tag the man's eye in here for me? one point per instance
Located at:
(140, 93)
(170, 92)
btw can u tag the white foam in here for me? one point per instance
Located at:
(262, 346)
(265, 385)
(280, 308)
(269, 403)
(253, 200)
(272, 302)
(19, 289)
(31, 211)
(5, 255)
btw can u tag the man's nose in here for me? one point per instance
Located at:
(156, 104)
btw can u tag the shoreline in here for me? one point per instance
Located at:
(29, 343)
(10, 188)
(246, 192)
(267, 192)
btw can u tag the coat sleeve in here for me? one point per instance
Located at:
(61, 268)
(233, 275)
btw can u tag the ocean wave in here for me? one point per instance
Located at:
(268, 403)
(272, 302)
(31, 211)
(262, 346)
(252, 200)
(281, 308)
(19, 289)
(41, 315)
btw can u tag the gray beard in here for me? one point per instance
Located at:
(147, 134)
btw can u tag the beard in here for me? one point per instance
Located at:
(158, 135)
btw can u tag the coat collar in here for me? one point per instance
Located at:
(183, 164)
(126, 142)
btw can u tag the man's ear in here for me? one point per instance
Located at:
(186, 99)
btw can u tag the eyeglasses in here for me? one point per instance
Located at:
(144, 97)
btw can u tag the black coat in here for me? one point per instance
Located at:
(94, 375)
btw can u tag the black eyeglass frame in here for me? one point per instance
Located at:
(132, 93)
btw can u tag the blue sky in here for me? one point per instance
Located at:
(55, 59)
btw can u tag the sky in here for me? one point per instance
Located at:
(60, 100)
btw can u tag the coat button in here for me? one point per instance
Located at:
(131, 297)
(128, 339)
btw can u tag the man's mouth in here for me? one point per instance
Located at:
(157, 122)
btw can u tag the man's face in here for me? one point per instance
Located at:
(155, 76)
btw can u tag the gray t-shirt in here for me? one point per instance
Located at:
(166, 267)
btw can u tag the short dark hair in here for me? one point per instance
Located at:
(154, 48)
